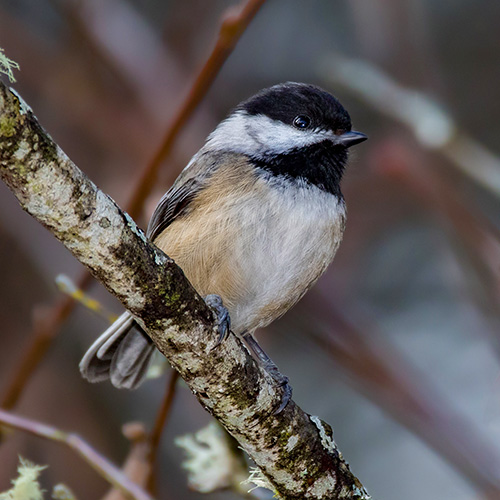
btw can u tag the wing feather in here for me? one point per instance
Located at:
(192, 180)
(175, 202)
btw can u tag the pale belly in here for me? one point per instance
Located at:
(262, 255)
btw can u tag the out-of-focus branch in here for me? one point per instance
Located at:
(159, 426)
(385, 376)
(137, 466)
(99, 463)
(141, 460)
(233, 26)
(46, 325)
(377, 371)
(431, 125)
(295, 452)
(475, 240)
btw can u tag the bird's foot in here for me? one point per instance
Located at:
(281, 381)
(270, 367)
(224, 321)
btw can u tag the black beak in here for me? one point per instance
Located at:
(351, 138)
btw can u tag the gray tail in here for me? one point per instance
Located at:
(121, 354)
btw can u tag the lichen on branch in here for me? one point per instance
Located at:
(7, 66)
(296, 453)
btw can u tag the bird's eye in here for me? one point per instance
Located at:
(301, 121)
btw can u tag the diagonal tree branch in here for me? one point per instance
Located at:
(295, 452)
(234, 22)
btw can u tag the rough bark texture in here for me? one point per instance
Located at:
(295, 451)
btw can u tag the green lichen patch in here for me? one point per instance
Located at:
(7, 125)
(165, 292)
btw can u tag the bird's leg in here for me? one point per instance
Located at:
(223, 319)
(270, 367)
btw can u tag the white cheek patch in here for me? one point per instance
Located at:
(259, 135)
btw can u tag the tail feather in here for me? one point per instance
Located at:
(131, 360)
(122, 354)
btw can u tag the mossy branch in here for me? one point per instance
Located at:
(294, 451)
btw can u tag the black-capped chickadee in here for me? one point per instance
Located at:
(255, 219)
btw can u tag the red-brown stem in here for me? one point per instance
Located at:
(159, 426)
(233, 26)
(45, 329)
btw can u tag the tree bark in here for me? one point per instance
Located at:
(296, 452)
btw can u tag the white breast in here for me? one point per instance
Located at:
(289, 240)
(259, 243)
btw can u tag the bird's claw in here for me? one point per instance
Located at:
(268, 365)
(287, 395)
(223, 319)
(282, 382)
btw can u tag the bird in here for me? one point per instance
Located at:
(253, 220)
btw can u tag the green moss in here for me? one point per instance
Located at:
(284, 437)
(172, 299)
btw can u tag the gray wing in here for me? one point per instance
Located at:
(175, 202)
(191, 181)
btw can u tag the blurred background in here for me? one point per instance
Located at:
(398, 345)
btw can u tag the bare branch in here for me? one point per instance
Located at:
(159, 426)
(137, 466)
(433, 128)
(106, 469)
(233, 24)
(296, 452)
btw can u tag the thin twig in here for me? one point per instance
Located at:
(425, 118)
(97, 461)
(45, 329)
(389, 379)
(136, 466)
(159, 426)
(233, 26)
